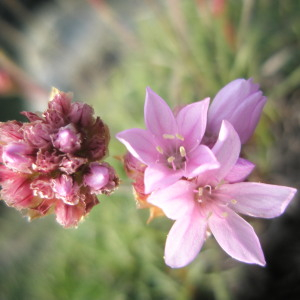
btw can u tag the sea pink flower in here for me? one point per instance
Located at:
(45, 162)
(240, 102)
(170, 146)
(210, 202)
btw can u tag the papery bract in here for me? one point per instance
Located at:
(211, 202)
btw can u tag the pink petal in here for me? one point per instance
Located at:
(158, 176)
(240, 171)
(159, 118)
(176, 200)
(191, 121)
(201, 160)
(245, 117)
(227, 150)
(185, 240)
(140, 143)
(240, 102)
(236, 237)
(259, 199)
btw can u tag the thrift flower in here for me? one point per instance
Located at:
(53, 163)
(240, 102)
(212, 201)
(170, 146)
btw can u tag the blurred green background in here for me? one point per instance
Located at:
(107, 52)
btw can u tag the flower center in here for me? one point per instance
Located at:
(175, 157)
(203, 194)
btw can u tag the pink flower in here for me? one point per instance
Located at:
(170, 146)
(210, 202)
(240, 102)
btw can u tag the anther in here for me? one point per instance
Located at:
(171, 159)
(224, 214)
(233, 201)
(160, 150)
(208, 188)
(179, 137)
(182, 151)
(168, 136)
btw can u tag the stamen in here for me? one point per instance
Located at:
(208, 188)
(180, 137)
(200, 191)
(168, 136)
(224, 214)
(182, 151)
(170, 159)
(233, 201)
(160, 150)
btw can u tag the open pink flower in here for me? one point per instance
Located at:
(170, 146)
(240, 102)
(210, 201)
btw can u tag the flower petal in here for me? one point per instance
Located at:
(175, 200)
(140, 143)
(227, 150)
(185, 240)
(236, 237)
(240, 102)
(191, 121)
(159, 118)
(201, 160)
(240, 171)
(158, 176)
(259, 199)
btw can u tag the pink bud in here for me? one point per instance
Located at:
(240, 102)
(18, 157)
(67, 139)
(81, 114)
(60, 103)
(66, 189)
(97, 176)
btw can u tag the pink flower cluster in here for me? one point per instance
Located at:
(53, 163)
(188, 165)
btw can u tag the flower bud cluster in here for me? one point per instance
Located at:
(54, 162)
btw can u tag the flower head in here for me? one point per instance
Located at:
(49, 164)
(240, 102)
(211, 202)
(170, 146)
